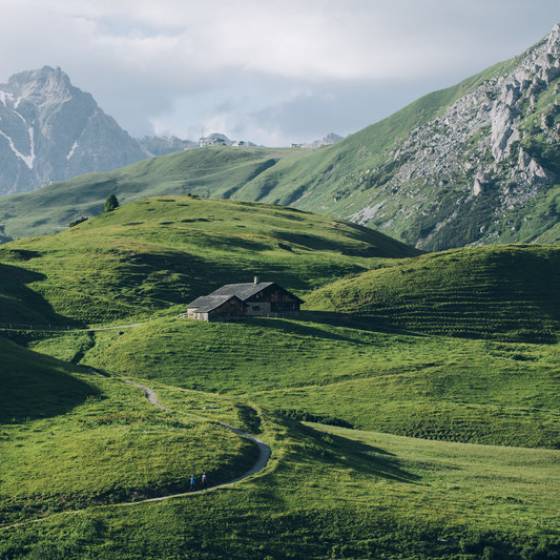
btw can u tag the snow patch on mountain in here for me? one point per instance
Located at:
(28, 160)
(72, 150)
(5, 98)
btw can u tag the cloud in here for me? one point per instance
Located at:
(263, 68)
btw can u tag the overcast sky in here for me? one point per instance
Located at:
(272, 71)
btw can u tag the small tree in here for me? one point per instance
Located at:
(111, 203)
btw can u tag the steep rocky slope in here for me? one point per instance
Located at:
(476, 163)
(483, 161)
(51, 131)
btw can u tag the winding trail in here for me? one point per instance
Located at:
(264, 456)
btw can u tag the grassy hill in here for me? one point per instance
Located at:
(333, 391)
(154, 253)
(70, 437)
(504, 291)
(337, 491)
(328, 367)
(334, 493)
(213, 171)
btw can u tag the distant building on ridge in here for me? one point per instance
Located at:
(215, 139)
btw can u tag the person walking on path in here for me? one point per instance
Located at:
(193, 482)
(204, 480)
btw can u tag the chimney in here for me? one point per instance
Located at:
(256, 280)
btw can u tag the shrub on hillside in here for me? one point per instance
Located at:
(112, 203)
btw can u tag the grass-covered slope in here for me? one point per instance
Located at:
(334, 494)
(77, 440)
(328, 367)
(503, 291)
(70, 438)
(37, 386)
(206, 172)
(19, 303)
(329, 179)
(158, 252)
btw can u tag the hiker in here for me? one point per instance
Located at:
(193, 482)
(204, 480)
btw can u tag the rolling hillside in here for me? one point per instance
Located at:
(72, 437)
(99, 444)
(151, 254)
(132, 400)
(213, 171)
(504, 291)
(330, 492)
(330, 368)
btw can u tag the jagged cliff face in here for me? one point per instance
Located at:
(477, 171)
(51, 131)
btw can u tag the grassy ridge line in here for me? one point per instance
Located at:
(202, 172)
(502, 292)
(318, 181)
(153, 254)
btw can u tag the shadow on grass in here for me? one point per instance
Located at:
(353, 321)
(21, 306)
(371, 244)
(36, 386)
(300, 324)
(364, 459)
(299, 328)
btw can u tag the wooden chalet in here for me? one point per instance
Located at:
(241, 300)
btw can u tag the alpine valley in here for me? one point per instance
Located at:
(476, 163)
(388, 389)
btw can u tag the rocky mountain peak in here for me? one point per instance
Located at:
(52, 131)
(41, 86)
(553, 40)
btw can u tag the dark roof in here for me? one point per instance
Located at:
(242, 291)
(204, 304)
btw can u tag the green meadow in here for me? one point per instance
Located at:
(411, 408)
(154, 253)
(334, 492)
(72, 437)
